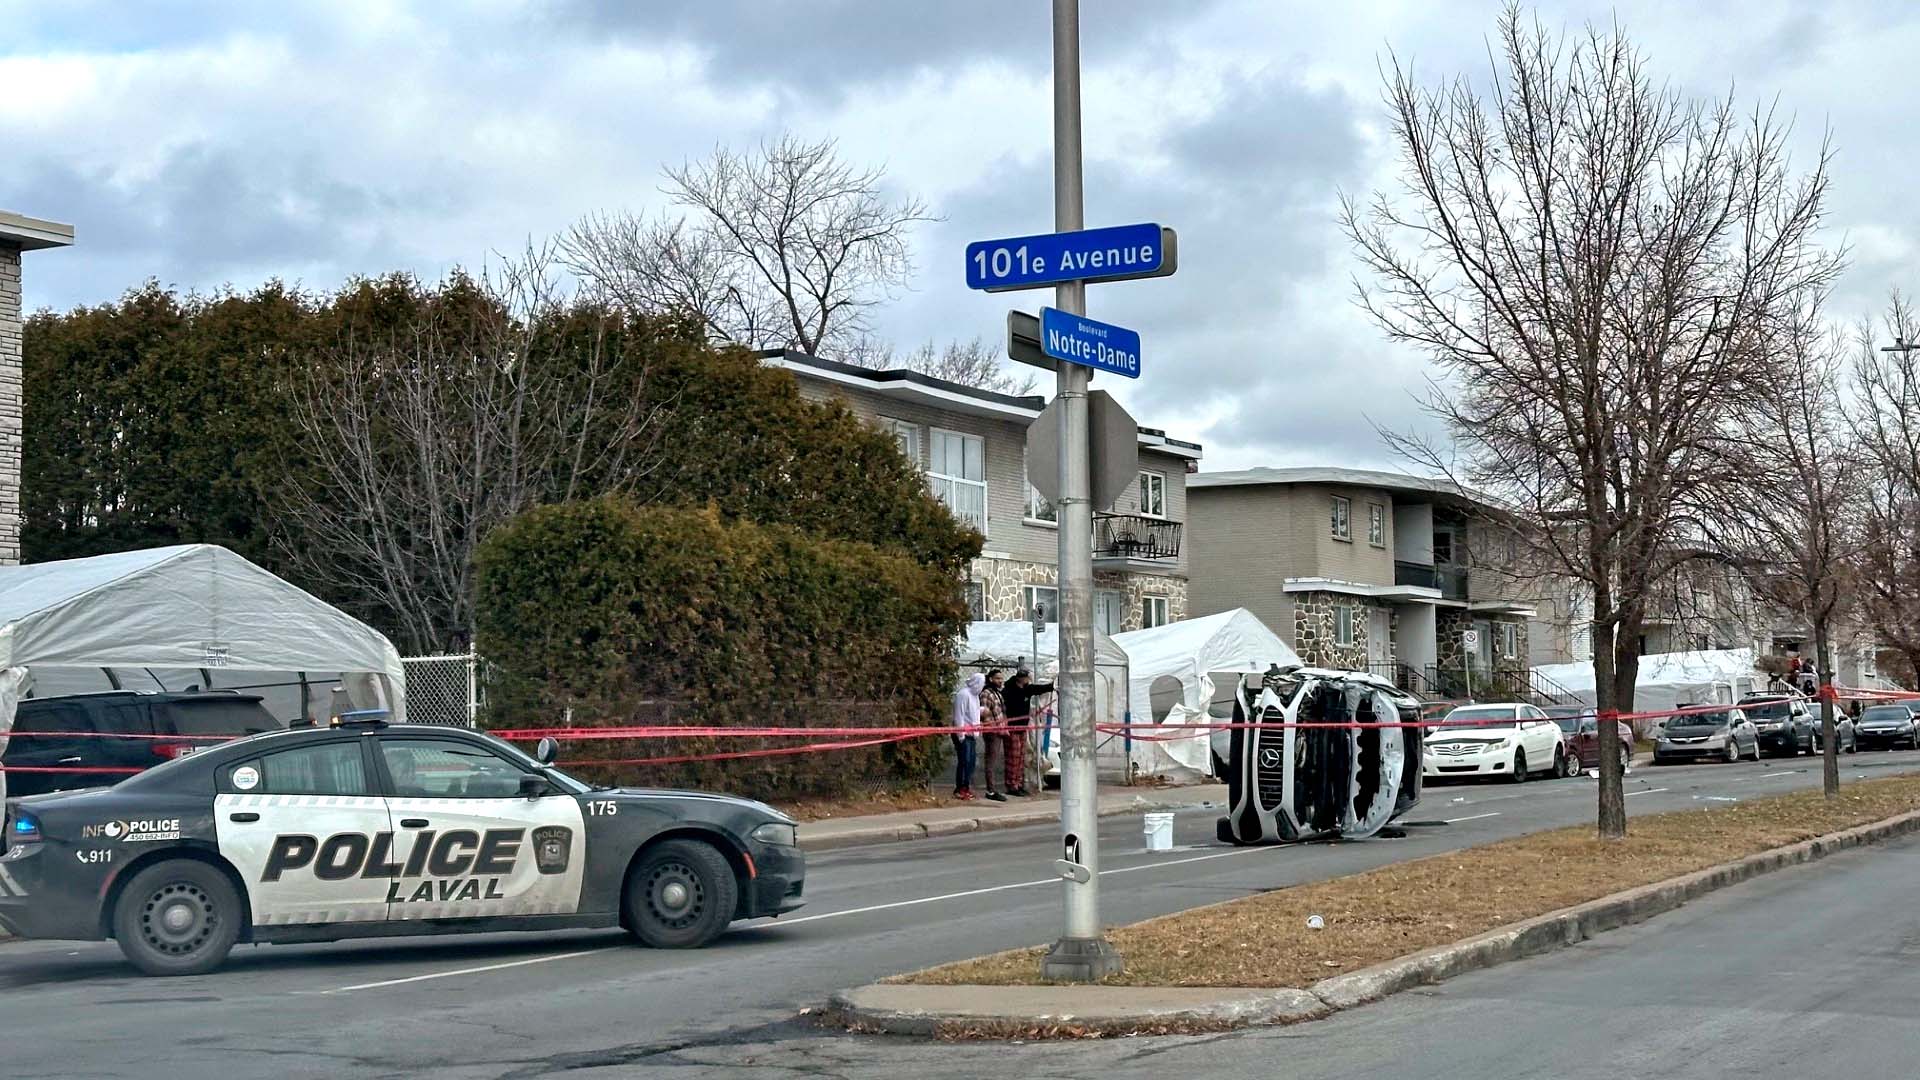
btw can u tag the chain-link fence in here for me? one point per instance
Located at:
(443, 689)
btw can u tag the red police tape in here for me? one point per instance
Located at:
(853, 738)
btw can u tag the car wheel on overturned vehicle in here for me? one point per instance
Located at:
(178, 917)
(681, 894)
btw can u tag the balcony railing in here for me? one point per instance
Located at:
(1449, 579)
(1133, 536)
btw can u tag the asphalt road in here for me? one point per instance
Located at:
(578, 1003)
(1806, 972)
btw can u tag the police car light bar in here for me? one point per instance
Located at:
(361, 718)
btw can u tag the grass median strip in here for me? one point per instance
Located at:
(1372, 917)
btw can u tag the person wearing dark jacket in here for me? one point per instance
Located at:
(1017, 698)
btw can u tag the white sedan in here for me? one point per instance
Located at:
(1510, 739)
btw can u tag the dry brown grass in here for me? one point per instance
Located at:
(875, 802)
(1263, 941)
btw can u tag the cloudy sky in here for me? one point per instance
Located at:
(205, 143)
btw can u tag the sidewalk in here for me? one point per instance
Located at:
(982, 815)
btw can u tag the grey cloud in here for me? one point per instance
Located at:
(1241, 327)
(821, 47)
(212, 214)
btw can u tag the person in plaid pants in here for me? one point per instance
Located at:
(1017, 699)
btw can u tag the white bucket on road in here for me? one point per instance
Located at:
(1159, 832)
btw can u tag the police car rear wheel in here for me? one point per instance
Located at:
(177, 918)
(681, 895)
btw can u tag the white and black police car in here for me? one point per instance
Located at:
(370, 829)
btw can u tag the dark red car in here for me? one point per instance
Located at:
(1581, 730)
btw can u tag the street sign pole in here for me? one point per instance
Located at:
(1082, 954)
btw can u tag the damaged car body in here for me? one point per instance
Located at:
(1302, 783)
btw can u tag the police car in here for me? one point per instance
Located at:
(370, 829)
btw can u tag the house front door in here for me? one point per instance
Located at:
(1379, 638)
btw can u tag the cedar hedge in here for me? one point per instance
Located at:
(616, 614)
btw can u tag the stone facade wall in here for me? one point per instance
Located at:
(10, 401)
(1316, 631)
(1003, 587)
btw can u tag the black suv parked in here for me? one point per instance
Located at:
(83, 717)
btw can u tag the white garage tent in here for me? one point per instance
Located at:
(1670, 680)
(1182, 659)
(195, 607)
(1011, 643)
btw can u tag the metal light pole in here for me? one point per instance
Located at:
(1082, 954)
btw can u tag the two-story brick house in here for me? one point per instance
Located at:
(972, 444)
(1364, 570)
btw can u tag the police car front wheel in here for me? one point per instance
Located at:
(179, 917)
(681, 894)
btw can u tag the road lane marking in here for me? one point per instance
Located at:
(1646, 791)
(468, 971)
(1012, 885)
(1471, 817)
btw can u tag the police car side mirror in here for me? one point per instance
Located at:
(545, 750)
(533, 786)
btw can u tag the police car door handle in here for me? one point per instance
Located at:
(243, 816)
(413, 823)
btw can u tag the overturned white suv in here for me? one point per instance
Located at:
(1299, 783)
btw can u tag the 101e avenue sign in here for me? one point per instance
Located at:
(1114, 253)
(1077, 339)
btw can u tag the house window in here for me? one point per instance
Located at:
(957, 473)
(1509, 640)
(1342, 527)
(1343, 625)
(1153, 494)
(1047, 599)
(907, 435)
(1153, 612)
(1376, 525)
(977, 601)
(1038, 508)
(1443, 547)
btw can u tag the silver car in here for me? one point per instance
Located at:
(1719, 735)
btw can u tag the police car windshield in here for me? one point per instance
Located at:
(575, 784)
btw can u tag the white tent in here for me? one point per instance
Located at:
(1005, 644)
(1669, 680)
(1189, 653)
(196, 606)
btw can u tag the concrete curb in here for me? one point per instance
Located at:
(879, 1008)
(1097, 1009)
(921, 830)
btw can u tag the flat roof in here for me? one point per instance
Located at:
(941, 392)
(1416, 485)
(32, 234)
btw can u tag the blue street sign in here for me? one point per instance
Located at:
(1077, 339)
(1110, 254)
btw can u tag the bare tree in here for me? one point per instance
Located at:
(1592, 261)
(1886, 382)
(784, 246)
(1797, 540)
(969, 363)
(423, 431)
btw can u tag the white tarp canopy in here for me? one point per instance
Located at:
(1670, 680)
(1005, 644)
(1190, 652)
(195, 606)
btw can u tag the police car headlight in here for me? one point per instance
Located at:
(778, 833)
